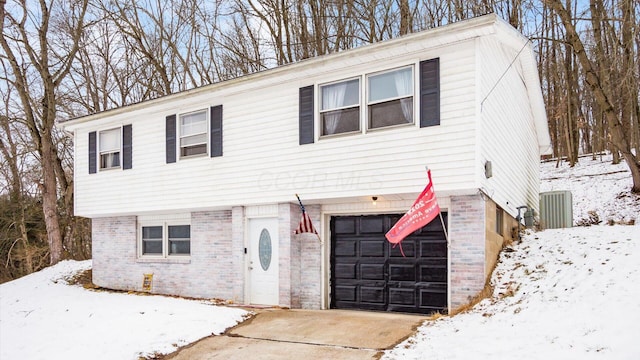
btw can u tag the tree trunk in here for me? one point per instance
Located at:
(50, 203)
(405, 17)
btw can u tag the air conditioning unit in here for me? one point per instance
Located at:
(556, 209)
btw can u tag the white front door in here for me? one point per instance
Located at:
(263, 261)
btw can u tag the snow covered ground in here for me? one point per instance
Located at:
(43, 317)
(559, 294)
(596, 185)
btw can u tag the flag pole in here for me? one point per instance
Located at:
(300, 202)
(444, 228)
(446, 236)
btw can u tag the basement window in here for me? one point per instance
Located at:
(164, 240)
(499, 220)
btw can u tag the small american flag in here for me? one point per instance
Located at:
(305, 225)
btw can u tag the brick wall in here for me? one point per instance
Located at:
(212, 256)
(310, 261)
(114, 253)
(467, 217)
(212, 271)
(300, 259)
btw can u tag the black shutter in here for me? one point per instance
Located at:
(430, 92)
(305, 115)
(92, 153)
(127, 151)
(216, 130)
(171, 138)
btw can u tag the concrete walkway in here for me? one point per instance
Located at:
(306, 334)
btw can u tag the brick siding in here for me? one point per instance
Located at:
(212, 270)
(300, 259)
(467, 248)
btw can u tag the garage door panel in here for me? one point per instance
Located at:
(346, 271)
(372, 248)
(430, 248)
(408, 247)
(345, 248)
(402, 297)
(372, 225)
(431, 296)
(373, 295)
(372, 271)
(433, 227)
(344, 226)
(399, 272)
(430, 273)
(346, 292)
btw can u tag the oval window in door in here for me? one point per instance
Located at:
(264, 249)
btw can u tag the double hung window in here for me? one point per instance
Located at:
(390, 98)
(110, 147)
(193, 133)
(340, 108)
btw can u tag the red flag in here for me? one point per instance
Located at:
(305, 225)
(423, 211)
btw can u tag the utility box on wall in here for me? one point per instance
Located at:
(556, 209)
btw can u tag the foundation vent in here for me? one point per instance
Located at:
(556, 209)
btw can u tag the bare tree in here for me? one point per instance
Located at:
(619, 138)
(39, 47)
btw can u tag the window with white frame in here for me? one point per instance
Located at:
(110, 144)
(340, 107)
(390, 98)
(193, 133)
(165, 239)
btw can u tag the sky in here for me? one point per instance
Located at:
(558, 294)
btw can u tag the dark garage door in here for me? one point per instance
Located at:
(367, 273)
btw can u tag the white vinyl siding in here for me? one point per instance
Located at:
(264, 163)
(516, 178)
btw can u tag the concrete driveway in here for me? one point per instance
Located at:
(311, 334)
